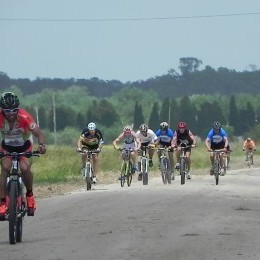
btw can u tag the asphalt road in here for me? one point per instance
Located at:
(198, 220)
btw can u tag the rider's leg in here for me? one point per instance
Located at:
(95, 165)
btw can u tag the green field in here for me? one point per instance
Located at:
(63, 163)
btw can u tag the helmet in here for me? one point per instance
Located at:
(91, 126)
(9, 100)
(182, 125)
(164, 126)
(127, 129)
(216, 125)
(143, 128)
(248, 139)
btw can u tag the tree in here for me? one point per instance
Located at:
(138, 115)
(233, 118)
(189, 65)
(165, 110)
(154, 117)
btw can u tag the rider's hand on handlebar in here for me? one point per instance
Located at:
(42, 148)
(99, 150)
(79, 149)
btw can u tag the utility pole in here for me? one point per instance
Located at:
(54, 119)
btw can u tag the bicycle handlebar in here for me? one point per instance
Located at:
(18, 155)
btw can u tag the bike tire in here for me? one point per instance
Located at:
(12, 211)
(21, 205)
(144, 167)
(123, 174)
(216, 172)
(129, 174)
(163, 165)
(182, 170)
(88, 177)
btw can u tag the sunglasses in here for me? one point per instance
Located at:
(10, 111)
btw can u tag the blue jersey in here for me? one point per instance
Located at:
(165, 137)
(216, 138)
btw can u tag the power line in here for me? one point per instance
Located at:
(127, 19)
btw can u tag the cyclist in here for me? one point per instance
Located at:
(249, 146)
(147, 138)
(216, 139)
(91, 139)
(17, 127)
(164, 139)
(183, 137)
(130, 141)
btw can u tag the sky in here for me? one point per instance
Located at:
(125, 40)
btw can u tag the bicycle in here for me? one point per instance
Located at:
(165, 165)
(217, 163)
(144, 164)
(183, 161)
(127, 168)
(88, 170)
(249, 158)
(16, 200)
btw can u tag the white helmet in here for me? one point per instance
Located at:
(91, 126)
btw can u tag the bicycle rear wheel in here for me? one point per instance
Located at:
(129, 174)
(144, 167)
(88, 176)
(12, 213)
(182, 170)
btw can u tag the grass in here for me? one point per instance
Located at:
(63, 163)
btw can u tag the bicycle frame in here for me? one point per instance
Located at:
(165, 165)
(217, 164)
(126, 168)
(144, 164)
(88, 171)
(249, 158)
(183, 164)
(16, 200)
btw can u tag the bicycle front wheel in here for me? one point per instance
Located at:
(129, 174)
(12, 212)
(182, 170)
(144, 168)
(88, 176)
(163, 166)
(123, 173)
(216, 172)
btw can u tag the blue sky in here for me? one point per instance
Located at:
(118, 40)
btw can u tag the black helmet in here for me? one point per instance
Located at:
(216, 125)
(164, 126)
(9, 100)
(143, 127)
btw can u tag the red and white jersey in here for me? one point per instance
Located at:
(21, 131)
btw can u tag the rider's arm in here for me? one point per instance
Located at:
(137, 140)
(174, 140)
(118, 139)
(207, 143)
(79, 143)
(192, 138)
(36, 131)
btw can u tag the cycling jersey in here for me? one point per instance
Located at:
(149, 138)
(164, 137)
(91, 141)
(184, 138)
(19, 138)
(217, 140)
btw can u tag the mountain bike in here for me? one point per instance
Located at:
(127, 168)
(144, 164)
(249, 158)
(183, 161)
(16, 200)
(88, 170)
(217, 163)
(165, 165)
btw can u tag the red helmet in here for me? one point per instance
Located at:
(182, 125)
(127, 129)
